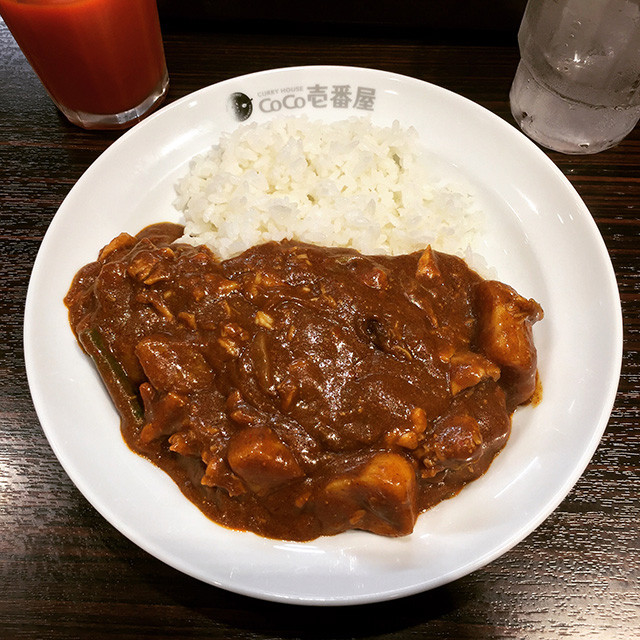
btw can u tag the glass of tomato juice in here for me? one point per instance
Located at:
(101, 61)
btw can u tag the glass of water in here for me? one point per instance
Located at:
(577, 87)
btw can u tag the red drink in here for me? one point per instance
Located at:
(101, 61)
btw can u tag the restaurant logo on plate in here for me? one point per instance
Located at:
(337, 96)
(240, 105)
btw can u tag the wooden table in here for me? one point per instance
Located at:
(66, 573)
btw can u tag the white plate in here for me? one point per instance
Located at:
(540, 238)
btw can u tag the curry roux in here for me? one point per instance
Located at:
(298, 391)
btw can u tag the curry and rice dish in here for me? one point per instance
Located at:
(298, 391)
(298, 357)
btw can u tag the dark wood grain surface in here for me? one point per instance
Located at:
(66, 573)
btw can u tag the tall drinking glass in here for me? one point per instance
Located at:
(577, 87)
(101, 61)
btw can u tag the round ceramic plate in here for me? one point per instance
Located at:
(539, 237)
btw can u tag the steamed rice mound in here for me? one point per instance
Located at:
(348, 183)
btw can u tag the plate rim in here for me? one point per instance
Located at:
(517, 536)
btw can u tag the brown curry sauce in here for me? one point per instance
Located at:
(298, 391)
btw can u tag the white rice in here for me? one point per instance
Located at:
(348, 183)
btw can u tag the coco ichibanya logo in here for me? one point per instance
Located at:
(338, 96)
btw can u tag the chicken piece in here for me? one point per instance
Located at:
(468, 369)
(185, 443)
(142, 264)
(123, 241)
(505, 321)
(165, 414)
(259, 457)
(428, 268)
(380, 497)
(457, 441)
(218, 474)
(171, 364)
